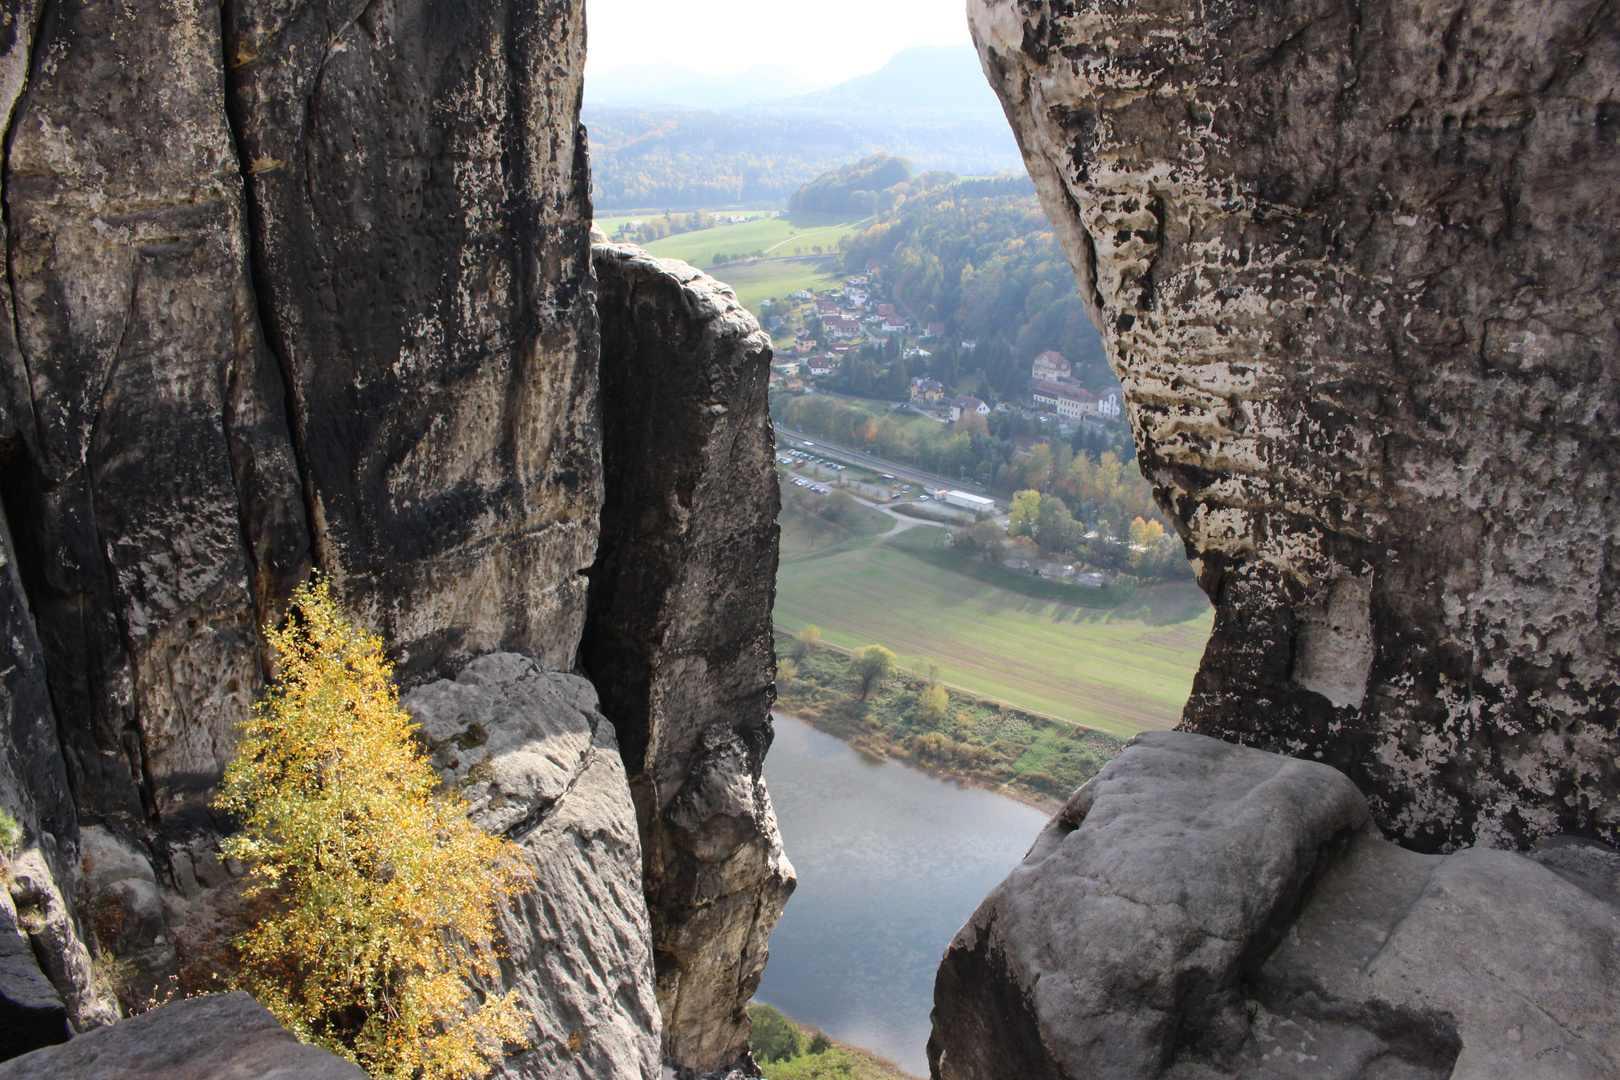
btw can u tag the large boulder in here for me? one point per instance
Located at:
(221, 1037)
(1204, 911)
(678, 632)
(539, 765)
(1353, 266)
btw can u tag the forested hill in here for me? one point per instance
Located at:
(979, 256)
(656, 159)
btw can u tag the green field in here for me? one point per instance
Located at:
(757, 282)
(610, 225)
(778, 237)
(1120, 670)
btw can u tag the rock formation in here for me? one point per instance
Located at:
(678, 636)
(222, 1037)
(297, 287)
(539, 765)
(1203, 911)
(1352, 264)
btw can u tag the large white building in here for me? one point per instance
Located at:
(1069, 401)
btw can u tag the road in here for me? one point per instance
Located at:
(906, 473)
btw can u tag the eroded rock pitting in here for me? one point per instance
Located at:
(1351, 265)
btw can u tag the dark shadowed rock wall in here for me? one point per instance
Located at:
(678, 636)
(418, 191)
(297, 286)
(1355, 267)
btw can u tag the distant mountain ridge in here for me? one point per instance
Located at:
(928, 80)
(659, 141)
(675, 86)
(933, 80)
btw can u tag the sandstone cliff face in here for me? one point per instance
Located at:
(678, 637)
(1353, 266)
(299, 286)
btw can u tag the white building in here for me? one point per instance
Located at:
(1067, 401)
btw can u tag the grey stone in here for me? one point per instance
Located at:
(540, 765)
(221, 1037)
(1203, 911)
(1351, 263)
(678, 633)
(42, 866)
(418, 194)
(153, 408)
(124, 911)
(32, 1013)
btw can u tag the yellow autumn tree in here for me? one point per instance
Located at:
(380, 893)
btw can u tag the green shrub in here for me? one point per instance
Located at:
(774, 1039)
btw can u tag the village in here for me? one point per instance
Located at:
(817, 334)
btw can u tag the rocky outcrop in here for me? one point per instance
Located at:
(1351, 264)
(223, 1037)
(41, 859)
(418, 195)
(678, 634)
(1204, 911)
(539, 765)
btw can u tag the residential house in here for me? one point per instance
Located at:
(894, 324)
(885, 309)
(926, 392)
(1050, 366)
(822, 365)
(935, 330)
(964, 404)
(804, 294)
(824, 306)
(873, 265)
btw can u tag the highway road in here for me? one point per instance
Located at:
(906, 473)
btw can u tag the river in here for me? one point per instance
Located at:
(891, 862)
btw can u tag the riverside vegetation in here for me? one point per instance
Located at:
(866, 698)
(785, 1050)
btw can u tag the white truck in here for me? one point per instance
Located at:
(968, 501)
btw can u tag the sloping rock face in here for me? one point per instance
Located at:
(539, 765)
(1204, 911)
(678, 635)
(220, 1037)
(1352, 264)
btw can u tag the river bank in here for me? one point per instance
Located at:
(945, 731)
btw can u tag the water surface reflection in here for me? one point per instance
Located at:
(891, 862)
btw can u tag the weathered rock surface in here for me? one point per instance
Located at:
(1353, 266)
(678, 634)
(419, 199)
(43, 863)
(152, 407)
(222, 1037)
(540, 765)
(1201, 910)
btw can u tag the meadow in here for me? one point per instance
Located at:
(757, 282)
(787, 236)
(1119, 670)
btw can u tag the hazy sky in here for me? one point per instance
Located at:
(828, 40)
